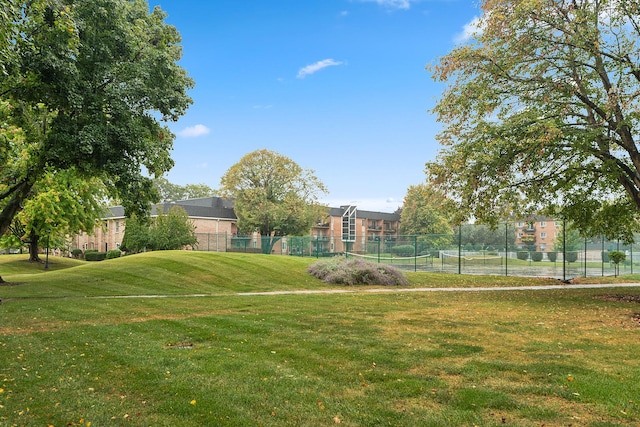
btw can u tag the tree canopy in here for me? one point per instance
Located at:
(273, 195)
(167, 231)
(170, 192)
(541, 114)
(87, 86)
(62, 204)
(424, 211)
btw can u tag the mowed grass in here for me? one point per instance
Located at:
(71, 356)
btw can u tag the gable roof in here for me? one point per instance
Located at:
(206, 207)
(367, 214)
(221, 208)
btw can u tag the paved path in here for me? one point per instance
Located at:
(479, 289)
(353, 290)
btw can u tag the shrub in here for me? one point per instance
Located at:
(403, 250)
(76, 253)
(572, 256)
(617, 257)
(94, 255)
(523, 255)
(113, 253)
(536, 256)
(353, 271)
(552, 256)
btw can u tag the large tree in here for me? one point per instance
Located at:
(87, 85)
(167, 231)
(424, 211)
(63, 204)
(170, 192)
(273, 195)
(542, 112)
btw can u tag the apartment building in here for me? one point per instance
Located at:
(210, 215)
(537, 233)
(216, 228)
(348, 229)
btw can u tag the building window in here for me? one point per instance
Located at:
(543, 223)
(543, 235)
(117, 226)
(520, 224)
(542, 247)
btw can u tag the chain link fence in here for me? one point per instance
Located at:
(508, 251)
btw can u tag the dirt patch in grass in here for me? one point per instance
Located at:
(635, 317)
(11, 283)
(620, 297)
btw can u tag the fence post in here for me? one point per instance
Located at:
(585, 257)
(506, 248)
(460, 249)
(602, 254)
(564, 249)
(415, 253)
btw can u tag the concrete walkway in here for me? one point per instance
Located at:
(479, 289)
(351, 290)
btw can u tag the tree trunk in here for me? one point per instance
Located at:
(33, 247)
(15, 196)
(268, 242)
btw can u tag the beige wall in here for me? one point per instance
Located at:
(366, 230)
(110, 235)
(544, 231)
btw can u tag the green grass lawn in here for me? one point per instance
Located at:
(73, 356)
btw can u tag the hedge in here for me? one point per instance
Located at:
(536, 256)
(94, 255)
(113, 253)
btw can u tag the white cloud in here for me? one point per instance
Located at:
(470, 30)
(393, 4)
(313, 68)
(194, 131)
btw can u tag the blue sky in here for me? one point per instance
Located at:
(338, 86)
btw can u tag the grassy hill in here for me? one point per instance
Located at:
(188, 272)
(156, 273)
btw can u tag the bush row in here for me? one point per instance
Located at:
(95, 255)
(551, 256)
